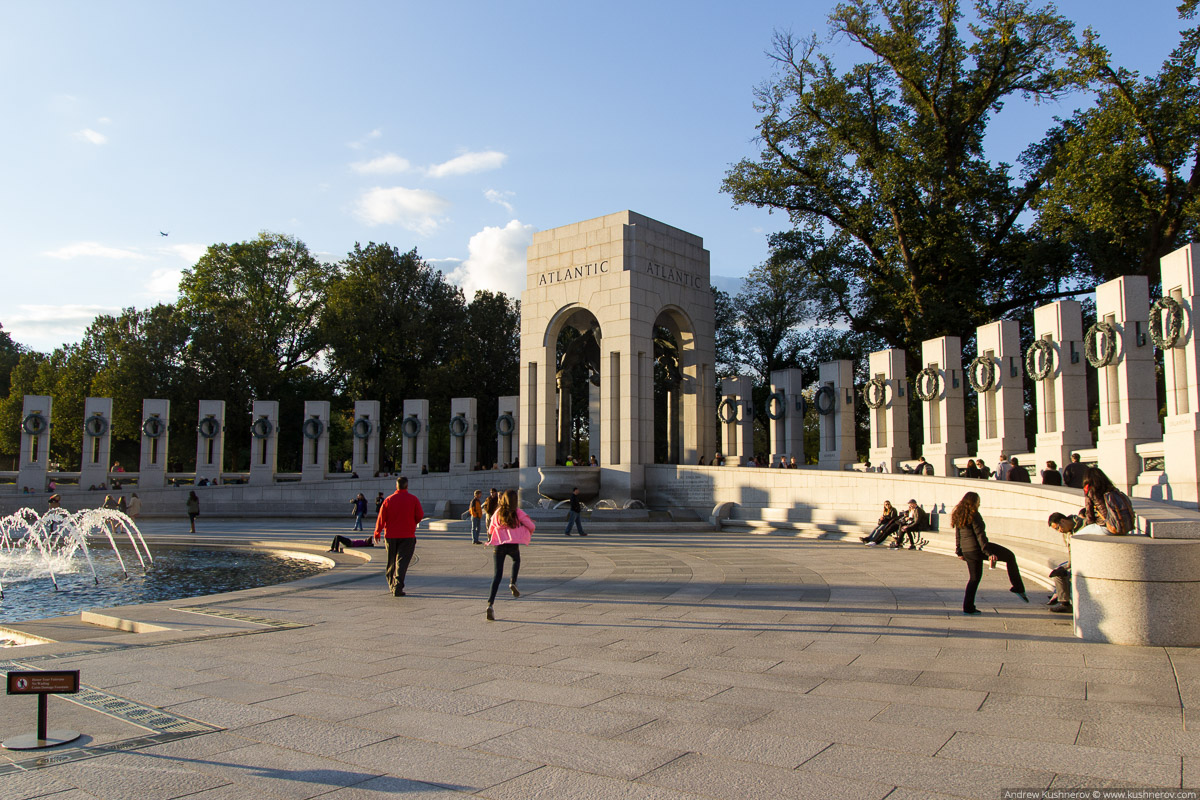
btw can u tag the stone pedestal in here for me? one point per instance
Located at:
(264, 441)
(152, 465)
(210, 441)
(364, 459)
(414, 428)
(1181, 364)
(1128, 400)
(96, 453)
(464, 434)
(943, 414)
(736, 412)
(785, 412)
(834, 401)
(314, 435)
(1002, 407)
(889, 422)
(1135, 590)
(36, 426)
(1060, 399)
(508, 412)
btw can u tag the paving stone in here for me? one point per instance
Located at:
(577, 694)
(323, 705)
(1043, 687)
(427, 762)
(589, 720)
(989, 721)
(730, 715)
(828, 728)
(554, 783)
(312, 735)
(611, 757)
(1163, 738)
(29, 785)
(388, 786)
(133, 776)
(747, 744)
(718, 777)
(284, 773)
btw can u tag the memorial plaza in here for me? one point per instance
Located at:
(636, 664)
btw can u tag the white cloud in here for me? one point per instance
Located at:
(500, 199)
(163, 285)
(495, 260)
(384, 165)
(45, 327)
(104, 120)
(188, 252)
(92, 250)
(412, 209)
(375, 134)
(468, 163)
(89, 135)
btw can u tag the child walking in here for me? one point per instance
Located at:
(510, 528)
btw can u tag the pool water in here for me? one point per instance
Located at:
(176, 573)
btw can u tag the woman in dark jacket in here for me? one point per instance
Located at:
(972, 546)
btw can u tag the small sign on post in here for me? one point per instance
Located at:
(43, 684)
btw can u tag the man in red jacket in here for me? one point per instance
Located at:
(397, 521)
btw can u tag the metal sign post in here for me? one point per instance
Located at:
(43, 684)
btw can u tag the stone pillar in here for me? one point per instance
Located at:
(736, 412)
(152, 466)
(786, 405)
(314, 430)
(365, 457)
(1060, 400)
(264, 441)
(1181, 435)
(834, 401)
(210, 441)
(594, 438)
(945, 434)
(464, 434)
(35, 442)
(889, 422)
(414, 452)
(508, 413)
(96, 454)
(1126, 385)
(1002, 407)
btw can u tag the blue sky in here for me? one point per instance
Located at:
(458, 128)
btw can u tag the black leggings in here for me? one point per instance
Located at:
(511, 550)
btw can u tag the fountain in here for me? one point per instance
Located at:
(47, 545)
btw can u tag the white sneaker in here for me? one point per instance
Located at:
(872, 544)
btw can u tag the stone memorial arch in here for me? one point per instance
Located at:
(633, 297)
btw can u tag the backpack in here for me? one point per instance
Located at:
(1118, 513)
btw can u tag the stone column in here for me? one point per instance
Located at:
(945, 426)
(736, 412)
(152, 466)
(786, 405)
(1060, 400)
(35, 442)
(834, 401)
(314, 430)
(365, 457)
(1002, 407)
(96, 454)
(464, 434)
(264, 441)
(594, 437)
(508, 414)
(414, 452)
(210, 441)
(1126, 385)
(1181, 435)
(889, 422)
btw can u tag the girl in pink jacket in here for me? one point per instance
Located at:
(511, 527)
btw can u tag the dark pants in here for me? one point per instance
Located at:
(400, 554)
(910, 531)
(975, 574)
(1004, 554)
(574, 518)
(341, 541)
(513, 551)
(883, 530)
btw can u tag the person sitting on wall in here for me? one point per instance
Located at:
(1002, 468)
(1067, 525)
(592, 462)
(1106, 509)
(1016, 472)
(792, 463)
(924, 467)
(1073, 473)
(1051, 476)
(971, 471)
(915, 521)
(984, 471)
(886, 524)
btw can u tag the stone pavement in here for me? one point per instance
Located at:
(657, 666)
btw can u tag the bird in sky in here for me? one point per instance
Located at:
(160, 233)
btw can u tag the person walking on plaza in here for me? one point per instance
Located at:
(476, 512)
(972, 546)
(397, 523)
(360, 510)
(489, 507)
(510, 528)
(378, 503)
(574, 515)
(193, 509)
(135, 506)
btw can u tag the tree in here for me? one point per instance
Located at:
(489, 364)
(10, 354)
(886, 162)
(1125, 173)
(393, 326)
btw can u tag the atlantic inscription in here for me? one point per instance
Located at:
(579, 271)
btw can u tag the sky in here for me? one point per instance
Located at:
(457, 128)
